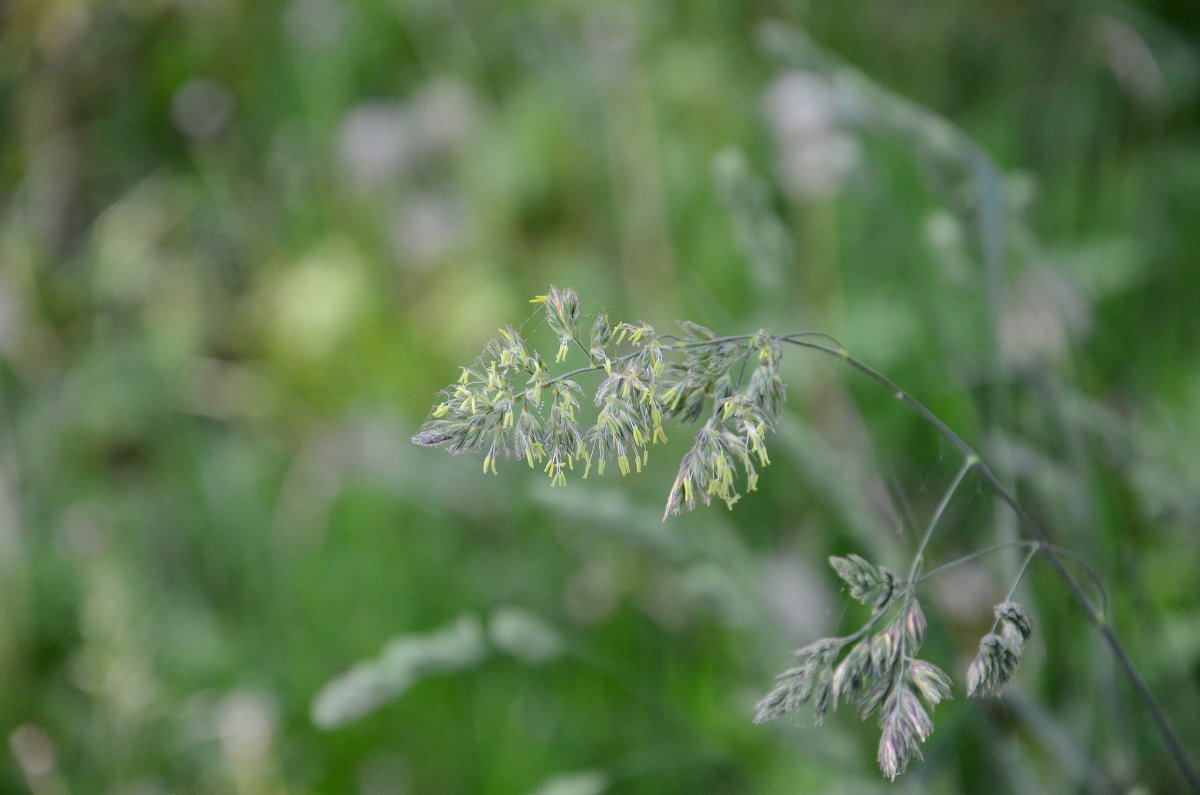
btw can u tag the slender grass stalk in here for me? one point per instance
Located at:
(1021, 574)
(918, 561)
(1066, 553)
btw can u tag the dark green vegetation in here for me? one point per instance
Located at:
(242, 246)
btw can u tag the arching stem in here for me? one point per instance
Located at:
(919, 558)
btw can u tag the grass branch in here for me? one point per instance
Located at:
(1097, 618)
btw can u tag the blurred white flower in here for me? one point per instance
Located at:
(444, 114)
(947, 242)
(201, 108)
(246, 723)
(800, 105)
(382, 141)
(376, 143)
(814, 154)
(426, 230)
(1131, 61)
(524, 635)
(817, 168)
(34, 750)
(314, 24)
(1045, 314)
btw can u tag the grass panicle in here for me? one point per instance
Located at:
(507, 404)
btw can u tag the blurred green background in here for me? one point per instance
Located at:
(242, 245)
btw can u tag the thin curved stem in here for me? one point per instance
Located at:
(583, 348)
(1037, 545)
(807, 334)
(1021, 573)
(1098, 620)
(919, 558)
(589, 369)
(1020, 576)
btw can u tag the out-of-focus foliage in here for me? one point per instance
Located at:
(243, 244)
